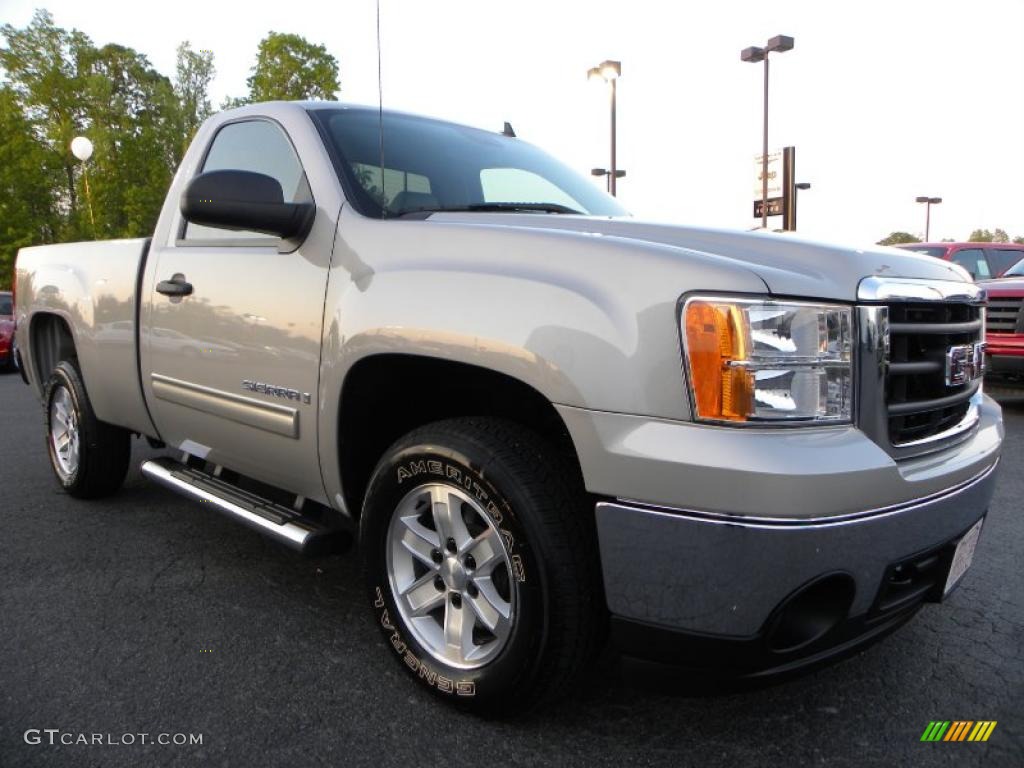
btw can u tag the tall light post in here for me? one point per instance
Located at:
(81, 148)
(754, 54)
(928, 202)
(609, 71)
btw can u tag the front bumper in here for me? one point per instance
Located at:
(725, 576)
(1005, 365)
(756, 596)
(782, 513)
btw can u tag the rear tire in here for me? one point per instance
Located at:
(89, 457)
(531, 596)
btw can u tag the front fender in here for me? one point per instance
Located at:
(586, 321)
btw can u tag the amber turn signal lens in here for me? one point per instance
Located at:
(716, 335)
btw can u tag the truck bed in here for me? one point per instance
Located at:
(93, 287)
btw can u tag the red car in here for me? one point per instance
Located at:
(1004, 326)
(982, 260)
(6, 330)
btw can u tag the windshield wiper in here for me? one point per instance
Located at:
(494, 208)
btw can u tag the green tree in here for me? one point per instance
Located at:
(896, 238)
(980, 236)
(28, 177)
(67, 87)
(46, 67)
(290, 67)
(230, 102)
(1000, 236)
(194, 71)
(1019, 240)
(134, 121)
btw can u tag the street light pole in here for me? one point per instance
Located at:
(609, 71)
(764, 151)
(611, 176)
(928, 203)
(754, 54)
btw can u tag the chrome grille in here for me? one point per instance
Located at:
(919, 403)
(1005, 315)
(908, 330)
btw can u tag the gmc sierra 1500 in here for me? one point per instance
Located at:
(544, 418)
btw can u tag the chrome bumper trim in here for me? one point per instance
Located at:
(806, 522)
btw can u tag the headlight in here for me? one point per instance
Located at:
(760, 361)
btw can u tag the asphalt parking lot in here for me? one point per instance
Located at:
(149, 613)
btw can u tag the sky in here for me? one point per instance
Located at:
(884, 101)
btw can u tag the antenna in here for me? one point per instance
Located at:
(380, 119)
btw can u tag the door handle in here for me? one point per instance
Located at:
(176, 286)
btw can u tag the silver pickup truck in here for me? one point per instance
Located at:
(547, 422)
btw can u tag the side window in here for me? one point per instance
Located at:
(1001, 259)
(973, 260)
(515, 185)
(399, 190)
(259, 146)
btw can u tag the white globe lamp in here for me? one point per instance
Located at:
(81, 148)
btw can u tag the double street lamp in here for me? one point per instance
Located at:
(754, 54)
(609, 71)
(929, 202)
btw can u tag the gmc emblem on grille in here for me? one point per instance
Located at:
(965, 363)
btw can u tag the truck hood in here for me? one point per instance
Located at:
(1004, 286)
(788, 264)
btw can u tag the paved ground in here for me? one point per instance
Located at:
(148, 613)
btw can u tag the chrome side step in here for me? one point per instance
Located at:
(291, 528)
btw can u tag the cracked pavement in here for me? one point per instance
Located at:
(146, 612)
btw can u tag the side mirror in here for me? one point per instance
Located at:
(243, 200)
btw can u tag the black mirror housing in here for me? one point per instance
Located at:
(244, 200)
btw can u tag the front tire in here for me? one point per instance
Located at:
(89, 457)
(478, 550)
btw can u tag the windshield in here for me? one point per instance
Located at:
(931, 250)
(1017, 270)
(6, 307)
(430, 165)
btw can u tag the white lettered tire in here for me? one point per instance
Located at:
(478, 550)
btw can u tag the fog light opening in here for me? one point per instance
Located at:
(810, 612)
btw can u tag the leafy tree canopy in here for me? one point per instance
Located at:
(896, 238)
(59, 85)
(290, 67)
(194, 71)
(992, 236)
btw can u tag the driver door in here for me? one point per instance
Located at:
(231, 370)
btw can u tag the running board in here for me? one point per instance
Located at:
(291, 528)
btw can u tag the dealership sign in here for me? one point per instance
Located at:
(774, 175)
(776, 207)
